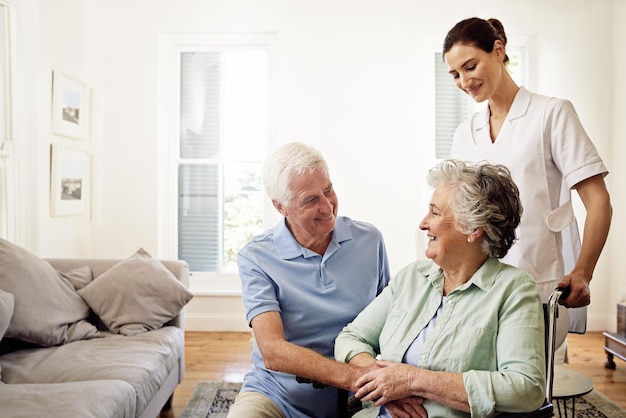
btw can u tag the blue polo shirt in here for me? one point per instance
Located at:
(316, 297)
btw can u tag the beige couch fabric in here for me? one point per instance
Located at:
(111, 376)
(143, 360)
(48, 310)
(136, 295)
(92, 399)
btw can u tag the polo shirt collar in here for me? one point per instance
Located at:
(287, 246)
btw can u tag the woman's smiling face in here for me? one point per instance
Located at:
(476, 72)
(446, 245)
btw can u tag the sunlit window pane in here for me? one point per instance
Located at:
(243, 208)
(245, 105)
(200, 98)
(223, 134)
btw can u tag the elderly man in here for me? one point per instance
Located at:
(303, 281)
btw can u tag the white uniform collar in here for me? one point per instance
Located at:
(518, 109)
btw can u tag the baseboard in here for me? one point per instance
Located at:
(215, 322)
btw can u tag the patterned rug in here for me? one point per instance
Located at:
(212, 400)
(592, 405)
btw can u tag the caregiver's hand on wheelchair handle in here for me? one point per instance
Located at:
(576, 291)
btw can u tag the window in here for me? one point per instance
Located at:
(223, 129)
(452, 107)
(7, 169)
(217, 138)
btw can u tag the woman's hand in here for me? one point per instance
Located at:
(390, 382)
(363, 363)
(579, 294)
(410, 407)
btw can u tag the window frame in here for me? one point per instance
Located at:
(8, 169)
(170, 48)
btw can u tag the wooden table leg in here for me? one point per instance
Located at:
(614, 346)
(609, 363)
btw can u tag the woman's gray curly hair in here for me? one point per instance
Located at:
(288, 161)
(484, 196)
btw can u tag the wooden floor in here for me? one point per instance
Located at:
(226, 356)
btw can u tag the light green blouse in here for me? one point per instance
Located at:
(491, 329)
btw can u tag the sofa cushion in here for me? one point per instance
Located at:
(92, 399)
(79, 277)
(48, 311)
(143, 360)
(136, 295)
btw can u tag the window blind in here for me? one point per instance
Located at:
(199, 166)
(451, 108)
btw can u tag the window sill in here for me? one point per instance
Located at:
(214, 292)
(211, 284)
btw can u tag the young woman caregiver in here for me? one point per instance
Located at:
(543, 143)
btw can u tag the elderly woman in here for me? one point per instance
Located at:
(462, 331)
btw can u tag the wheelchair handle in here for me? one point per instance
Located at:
(564, 292)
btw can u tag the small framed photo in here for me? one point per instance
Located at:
(68, 180)
(69, 107)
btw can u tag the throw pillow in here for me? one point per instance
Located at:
(6, 311)
(79, 277)
(47, 311)
(136, 295)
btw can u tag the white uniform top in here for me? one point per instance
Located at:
(547, 150)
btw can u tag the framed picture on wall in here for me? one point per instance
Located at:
(69, 106)
(68, 180)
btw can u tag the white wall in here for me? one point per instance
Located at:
(62, 45)
(613, 268)
(354, 80)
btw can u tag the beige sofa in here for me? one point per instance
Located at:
(125, 359)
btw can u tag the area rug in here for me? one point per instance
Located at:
(592, 405)
(212, 400)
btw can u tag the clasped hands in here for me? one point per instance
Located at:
(390, 385)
